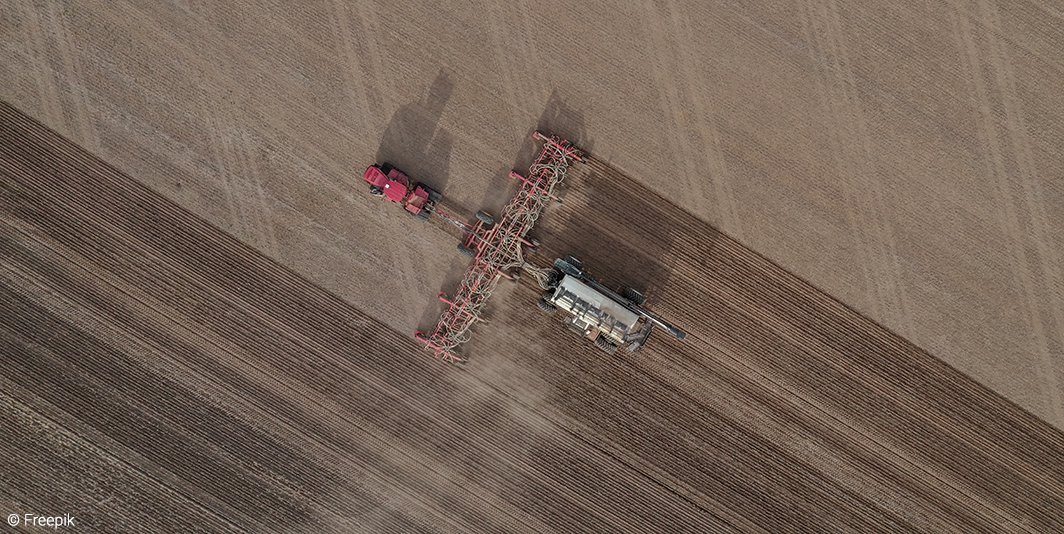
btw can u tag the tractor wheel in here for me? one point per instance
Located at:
(434, 195)
(376, 191)
(605, 345)
(633, 296)
(548, 294)
(387, 168)
(466, 251)
(547, 307)
(422, 215)
(485, 218)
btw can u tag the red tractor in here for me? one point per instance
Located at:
(386, 181)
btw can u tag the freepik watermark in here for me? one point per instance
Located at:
(42, 521)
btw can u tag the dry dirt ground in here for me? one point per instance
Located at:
(160, 375)
(904, 157)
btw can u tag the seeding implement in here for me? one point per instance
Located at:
(496, 247)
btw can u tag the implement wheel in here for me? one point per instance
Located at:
(547, 307)
(466, 251)
(485, 218)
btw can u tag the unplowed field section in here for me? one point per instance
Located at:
(159, 375)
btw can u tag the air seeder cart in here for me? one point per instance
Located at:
(611, 320)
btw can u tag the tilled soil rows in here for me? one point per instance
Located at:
(159, 375)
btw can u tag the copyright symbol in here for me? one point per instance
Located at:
(12, 520)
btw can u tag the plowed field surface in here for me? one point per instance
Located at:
(160, 375)
(903, 156)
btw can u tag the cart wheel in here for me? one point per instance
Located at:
(577, 264)
(466, 251)
(605, 345)
(485, 218)
(547, 307)
(633, 296)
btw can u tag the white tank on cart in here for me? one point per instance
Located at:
(612, 320)
(592, 312)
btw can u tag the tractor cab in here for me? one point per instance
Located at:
(388, 182)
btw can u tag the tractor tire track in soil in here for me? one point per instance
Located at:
(153, 351)
(923, 426)
(367, 398)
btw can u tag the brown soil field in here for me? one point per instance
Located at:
(903, 157)
(161, 375)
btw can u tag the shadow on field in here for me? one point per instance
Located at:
(617, 228)
(557, 118)
(414, 141)
(564, 121)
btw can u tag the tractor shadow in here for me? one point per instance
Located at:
(415, 143)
